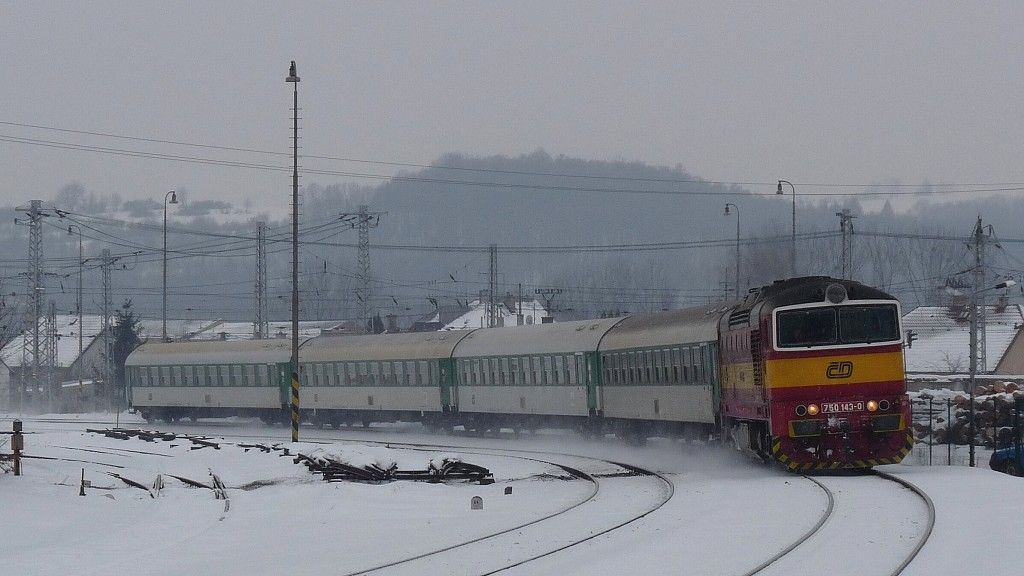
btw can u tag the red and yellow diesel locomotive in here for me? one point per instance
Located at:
(813, 375)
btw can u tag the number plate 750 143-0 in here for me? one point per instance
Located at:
(834, 407)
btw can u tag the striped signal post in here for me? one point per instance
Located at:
(295, 406)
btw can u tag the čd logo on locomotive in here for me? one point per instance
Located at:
(838, 370)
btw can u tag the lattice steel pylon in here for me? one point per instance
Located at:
(364, 220)
(261, 322)
(31, 373)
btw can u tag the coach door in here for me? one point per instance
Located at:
(284, 381)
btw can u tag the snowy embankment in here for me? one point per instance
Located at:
(727, 514)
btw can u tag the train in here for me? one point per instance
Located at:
(807, 372)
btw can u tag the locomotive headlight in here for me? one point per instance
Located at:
(801, 410)
(872, 406)
(884, 405)
(812, 409)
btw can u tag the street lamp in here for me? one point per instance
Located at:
(78, 302)
(173, 200)
(736, 209)
(293, 78)
(792, 245)
(974, 357)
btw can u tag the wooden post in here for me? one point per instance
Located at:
(17, 445)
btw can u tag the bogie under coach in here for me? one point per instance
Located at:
(806, 371)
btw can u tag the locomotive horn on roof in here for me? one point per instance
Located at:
(836, 293)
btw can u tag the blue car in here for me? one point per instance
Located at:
(1008, 460)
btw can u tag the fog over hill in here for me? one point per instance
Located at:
(437, 222)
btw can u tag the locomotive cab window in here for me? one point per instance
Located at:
(867, 324)
(853, 324)
(809, 327)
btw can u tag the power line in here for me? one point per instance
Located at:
(1012, 187)
(492, 170)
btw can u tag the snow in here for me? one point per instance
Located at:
(727, 514)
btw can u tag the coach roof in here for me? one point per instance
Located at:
(403, 346)
(556, 338)
(269, 351)
(666, 328)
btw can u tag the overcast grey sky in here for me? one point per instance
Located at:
(809, 92)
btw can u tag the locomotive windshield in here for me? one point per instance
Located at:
(838, 325)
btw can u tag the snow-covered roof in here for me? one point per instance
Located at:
(477, 316)
(943, 337)
(243, 330)
(66, 327)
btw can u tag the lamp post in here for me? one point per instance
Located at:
(792, 245)
(293, 78)
(974, 358)
(174, 200)
(78, 302)
(736, 209)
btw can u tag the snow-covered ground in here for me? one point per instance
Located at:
(726, 516)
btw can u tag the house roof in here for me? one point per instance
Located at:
(476, 317)
(943, 337)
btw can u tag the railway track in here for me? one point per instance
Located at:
(517, 545)
(812, 548)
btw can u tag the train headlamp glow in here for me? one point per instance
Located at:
(812, 409)
(872, 406)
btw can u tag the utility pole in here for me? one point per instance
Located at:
(108, 376)
(492, 282)
(49, 355)
(78, 304)
(259, 325)
(519, 307)
(846, 227)
(976, 291)
(293, 78)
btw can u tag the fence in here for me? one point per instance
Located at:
(942, 427)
